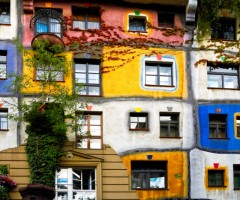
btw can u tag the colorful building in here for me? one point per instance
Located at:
(163, 111)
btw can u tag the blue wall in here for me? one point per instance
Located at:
(11, 66)
(231, 143)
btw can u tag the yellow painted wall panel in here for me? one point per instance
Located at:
(128, 80)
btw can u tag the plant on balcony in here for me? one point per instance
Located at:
(48, 115)
(6, 184)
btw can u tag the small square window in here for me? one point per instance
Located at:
(165, 20)
(236, 176)
(215, 178)
(137, 23)
(149, 174)
(169, 125)
(5, 13)
(85, 18)
(224, 28)
(138, 121)
(217, 126)
(3, 119)
(158, 74)
(223, 76)
(3, 64)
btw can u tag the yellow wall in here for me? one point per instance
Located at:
(33, 87)
(125, 81)
(177, 174)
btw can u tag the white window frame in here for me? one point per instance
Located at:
(69, 183)
(137, 16)
(164, 59)
(3, 119)
(3, 64)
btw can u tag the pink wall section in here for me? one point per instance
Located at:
(112, 16)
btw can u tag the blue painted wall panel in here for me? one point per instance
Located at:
(11, 66)
(231, 143)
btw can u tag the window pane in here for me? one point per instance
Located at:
(165, 71)
(62, 179)
(230, 81)
(93, 78)
(151, 80)
(151, 70)
(81, 78)
(79, 24)
(3, 58)
(94, 90)
(95, 119)
(93, 25)
(95, 144)
(238, 125)
(165, 80)
(215, 81)
(164, 131)
(137, 24)
(62, 196)
(95, 130)
(3, 73)
(93, 68)
(80, 68)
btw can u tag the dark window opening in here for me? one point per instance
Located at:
(169, 124)
(166, 20)
(149, 174)
(138, 121)
(5, 13)
(217, 126)
(236, 176)
(137, 23)
(215, 178)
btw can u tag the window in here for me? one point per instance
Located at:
(149, 174)
(5, 13)
(47, 23)
(137, 23)
(237, 125)
(169, 125)
(217, 126)
(3, 64)
(85, 18)
(138, 121)
(224, 29)
(3, 119)
(49, 73)
(165, 20)
(158, 74)
(91, 130)
(215, 178)
(223, 76)
(87, 77)
(236, 176)
(76, 183)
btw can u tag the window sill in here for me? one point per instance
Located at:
(219, 138)
(223, 88)
(218, 186)
(85, 95)
(5, 24)
(170, 137)
(236, 188)
(221, 39)
(170, 86)
(137, 31)
(150, 189)
(4, 129)
(138, 129)
(3, 78)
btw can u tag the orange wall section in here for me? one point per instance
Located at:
(34, 86)
(126, 81)
(177, 174)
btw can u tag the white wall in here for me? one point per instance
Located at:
(9, 32)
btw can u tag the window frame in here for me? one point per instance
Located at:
(69, 183)
(210, 72)
(85, 15)
(148, 170)
(88, 85)
(236, 172)
(215, 179)
(138, 115)
(219, 121)
(158, 76)
(237, 125)
(49, 23)
(4, 64)
(216, 29)
(8, 13)
(2, 117)
(86, 136)
(169, 124)
(168, 18)
(137, 17)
